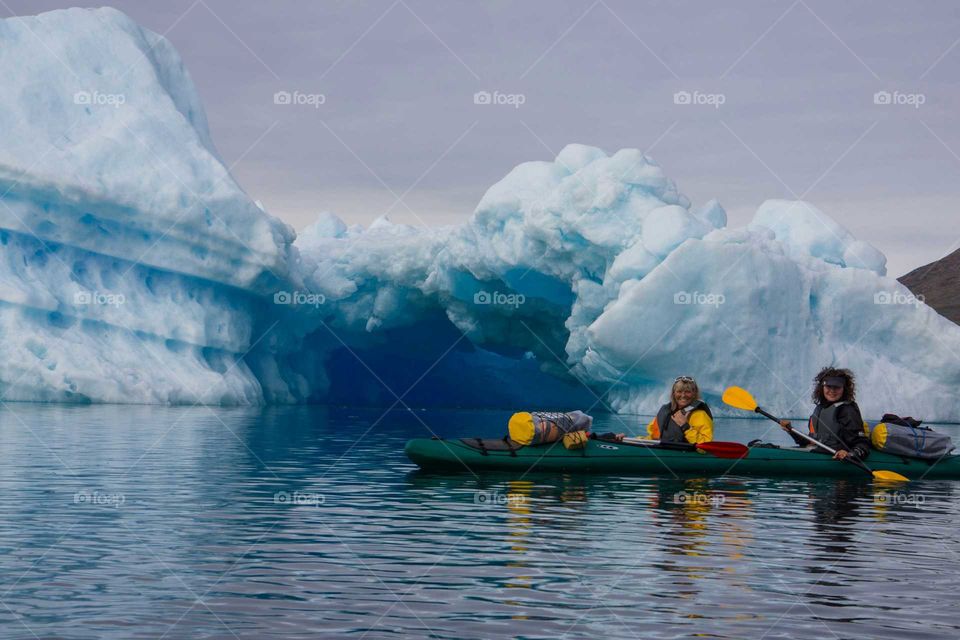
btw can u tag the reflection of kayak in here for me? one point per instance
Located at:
(611, 457)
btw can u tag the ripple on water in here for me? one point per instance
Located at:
(135, 522)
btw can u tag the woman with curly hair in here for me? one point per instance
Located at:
(836, 420)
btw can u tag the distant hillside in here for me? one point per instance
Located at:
(939, 284)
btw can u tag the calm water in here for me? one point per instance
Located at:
(147, 522)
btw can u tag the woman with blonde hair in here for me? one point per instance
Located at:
(686, 418)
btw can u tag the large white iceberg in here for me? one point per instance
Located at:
(134, 269)
(132, 262)
(624, 287)
(744, 308)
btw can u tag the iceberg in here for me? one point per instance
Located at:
(133, 264)
(744, 308)
(516, 288)
(765, 306)
(135, 269)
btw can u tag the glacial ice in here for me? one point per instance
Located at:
(132, 263)
(134, 268)
(806, 231)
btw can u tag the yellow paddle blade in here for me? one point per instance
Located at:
(892, 476)
(739, 399)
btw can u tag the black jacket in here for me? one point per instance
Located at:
(851, 430)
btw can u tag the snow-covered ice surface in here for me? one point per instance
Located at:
(134, 269)
(132, 263)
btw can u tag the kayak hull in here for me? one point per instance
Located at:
(617, 458)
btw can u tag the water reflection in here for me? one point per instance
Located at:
(391, 552)
(834, 506)
(519, 502)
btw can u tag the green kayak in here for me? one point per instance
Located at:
(474, 454)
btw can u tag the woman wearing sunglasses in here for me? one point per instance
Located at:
(686, 418)
(836, 420)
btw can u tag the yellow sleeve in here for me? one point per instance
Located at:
(701, 427)
(653, 430)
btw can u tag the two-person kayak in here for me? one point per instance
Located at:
(598, 456)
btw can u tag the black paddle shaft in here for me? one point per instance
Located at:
(767, 415)
(673, 446)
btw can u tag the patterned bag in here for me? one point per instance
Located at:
(544, 427)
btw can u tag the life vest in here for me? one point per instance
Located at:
(670, 431)
(824, 426)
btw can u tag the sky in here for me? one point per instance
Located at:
(850, 106)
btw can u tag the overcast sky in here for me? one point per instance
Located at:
(399, 132)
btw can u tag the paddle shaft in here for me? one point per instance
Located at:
(812, 440)
(717, 449)
(675, 446)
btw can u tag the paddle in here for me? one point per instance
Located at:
(718, 449)
(742, 399)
